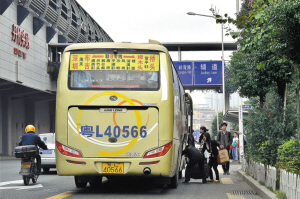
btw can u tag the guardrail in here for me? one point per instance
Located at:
(289, 182)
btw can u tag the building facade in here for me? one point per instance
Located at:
(29, 64)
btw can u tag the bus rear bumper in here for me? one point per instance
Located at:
(71, 166)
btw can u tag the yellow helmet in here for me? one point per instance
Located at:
(29, 128)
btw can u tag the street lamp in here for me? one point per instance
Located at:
(223, 67)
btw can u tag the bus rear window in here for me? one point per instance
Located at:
(114, 71)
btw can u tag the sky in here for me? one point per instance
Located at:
(138, 21)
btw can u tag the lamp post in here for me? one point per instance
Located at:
(223, 67)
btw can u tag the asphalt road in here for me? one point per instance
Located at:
(49, 185)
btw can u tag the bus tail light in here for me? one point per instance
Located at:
(68, 151)
(160, 151)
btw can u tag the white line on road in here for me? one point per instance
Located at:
(18, 187)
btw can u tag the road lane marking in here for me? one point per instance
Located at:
(11, 182)
(230, 196)
(62, 195)
(20, 187)
(23, 187)
(226, 181)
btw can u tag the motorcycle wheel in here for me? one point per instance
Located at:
(35, 175)
(26, 180)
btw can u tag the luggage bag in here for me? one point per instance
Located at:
(195, 173)
(25, 151)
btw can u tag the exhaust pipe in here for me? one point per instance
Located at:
(147, 171)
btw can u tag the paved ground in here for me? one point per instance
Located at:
(49, 185)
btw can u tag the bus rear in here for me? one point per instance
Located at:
(115, 113)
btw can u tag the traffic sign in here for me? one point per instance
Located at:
(246, 106)
(185, 72)
(208, 73)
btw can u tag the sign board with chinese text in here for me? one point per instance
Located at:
(185, 72)
(246, 106)
(208, 73)
(202, 74)
(135, 62)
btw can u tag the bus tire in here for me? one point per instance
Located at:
(79, 184)
(174, 181)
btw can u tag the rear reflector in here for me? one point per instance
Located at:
(75, 162)
(68, 151)
(146, 163)
(160, 151)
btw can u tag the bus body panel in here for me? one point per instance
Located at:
(108, 132)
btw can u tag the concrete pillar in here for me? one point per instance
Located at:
(1, 132)
(6, 126)
(29, 112)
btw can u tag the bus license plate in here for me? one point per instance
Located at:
(112, 167)
(25, 164)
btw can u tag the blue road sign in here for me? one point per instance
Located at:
(208, 73)
(246, 106)
(185, 72)
(196, 134)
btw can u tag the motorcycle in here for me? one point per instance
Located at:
(29, 170)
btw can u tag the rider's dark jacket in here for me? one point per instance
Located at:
(32, 139)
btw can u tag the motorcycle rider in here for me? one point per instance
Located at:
(30, 138)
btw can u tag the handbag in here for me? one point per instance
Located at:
(223, 157)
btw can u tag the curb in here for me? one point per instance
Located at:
(260, 189)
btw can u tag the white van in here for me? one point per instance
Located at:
(48, 156)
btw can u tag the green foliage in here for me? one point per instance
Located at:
(214, 129)
(267, 128)
(281, 195)
(289, 156)
(262, 183)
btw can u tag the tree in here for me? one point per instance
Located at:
(214, 129)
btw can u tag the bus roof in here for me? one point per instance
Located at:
(116, 45)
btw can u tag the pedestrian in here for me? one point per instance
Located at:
(225, 140)
(235, 146)
(191, 140)
(211, 147)
(195, 157)
(203, 130)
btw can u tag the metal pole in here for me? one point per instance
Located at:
(241, 127)
(223, 73)
(217, 111)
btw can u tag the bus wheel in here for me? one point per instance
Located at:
(174, 181)
(97, 183)
(79, 184)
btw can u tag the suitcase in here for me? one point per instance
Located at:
(25, 151)
(195, 173)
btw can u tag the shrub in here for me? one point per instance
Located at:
(289, 156)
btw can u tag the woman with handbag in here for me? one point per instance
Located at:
(211, 147)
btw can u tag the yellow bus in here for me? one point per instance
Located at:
(120, 111)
